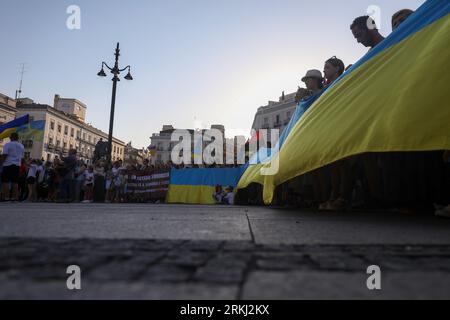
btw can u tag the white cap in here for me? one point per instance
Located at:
(312, 74)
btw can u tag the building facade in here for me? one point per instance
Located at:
(276, 114)
(64, 129)
(162, 145)
(7, 113)
(135, 156)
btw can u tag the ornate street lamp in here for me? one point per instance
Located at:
(115, 71)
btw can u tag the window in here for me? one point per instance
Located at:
(114, 149)
(72, 131)
(65, 145)
(59, 128)
(52, 125)
(78, 134)
(58, 143)
(266, 120)
(50, 140)
(278, 118)
(66, 130)
(89, 139)
(84, 136)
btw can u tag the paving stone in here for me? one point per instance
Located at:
(167, 273)
(124, 253)
(192, 259)
(298, 285)
(219, 275)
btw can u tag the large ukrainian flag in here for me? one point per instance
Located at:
(396, 98)
(7, 128)
(197, 186)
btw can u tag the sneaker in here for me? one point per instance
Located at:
(338, 205)
(325, 206)
(443, 213)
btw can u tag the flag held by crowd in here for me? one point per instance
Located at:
(395, 98)
(7, 128)
(197, 185)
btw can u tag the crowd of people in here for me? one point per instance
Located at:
(404, 182)
(68, 179)
(399, 181)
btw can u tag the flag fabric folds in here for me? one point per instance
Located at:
(395, 98)
(196, 186)
(33, 130)
(7, 128)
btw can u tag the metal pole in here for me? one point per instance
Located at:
(115, 71)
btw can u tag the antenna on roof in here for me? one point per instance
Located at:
(22, 71)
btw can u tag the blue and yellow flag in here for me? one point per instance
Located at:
(7, 128)
(34, 130)
(197, 186)
(395, 98)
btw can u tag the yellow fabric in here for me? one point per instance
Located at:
(397, 101)
(190, 194)
(6, 133)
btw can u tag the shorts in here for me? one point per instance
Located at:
(31, 180)
(10, 174)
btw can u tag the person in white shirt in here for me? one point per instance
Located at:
(33, 171)
(88, 184)
(10, 159)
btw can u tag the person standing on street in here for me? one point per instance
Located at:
(13, 152)
(67, 173)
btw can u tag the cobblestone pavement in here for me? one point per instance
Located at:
(164, 269)
(229, 267)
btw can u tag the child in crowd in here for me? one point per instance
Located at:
(218, 194)
(88, 184)
(33, 171)
(228, 198)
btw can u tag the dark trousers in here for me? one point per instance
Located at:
(66, 189)
(342, 180)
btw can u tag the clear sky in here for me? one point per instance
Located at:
(194, 61)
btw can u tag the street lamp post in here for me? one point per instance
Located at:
(115, 71)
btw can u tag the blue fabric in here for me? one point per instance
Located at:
(206, 176)
(15, 123)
